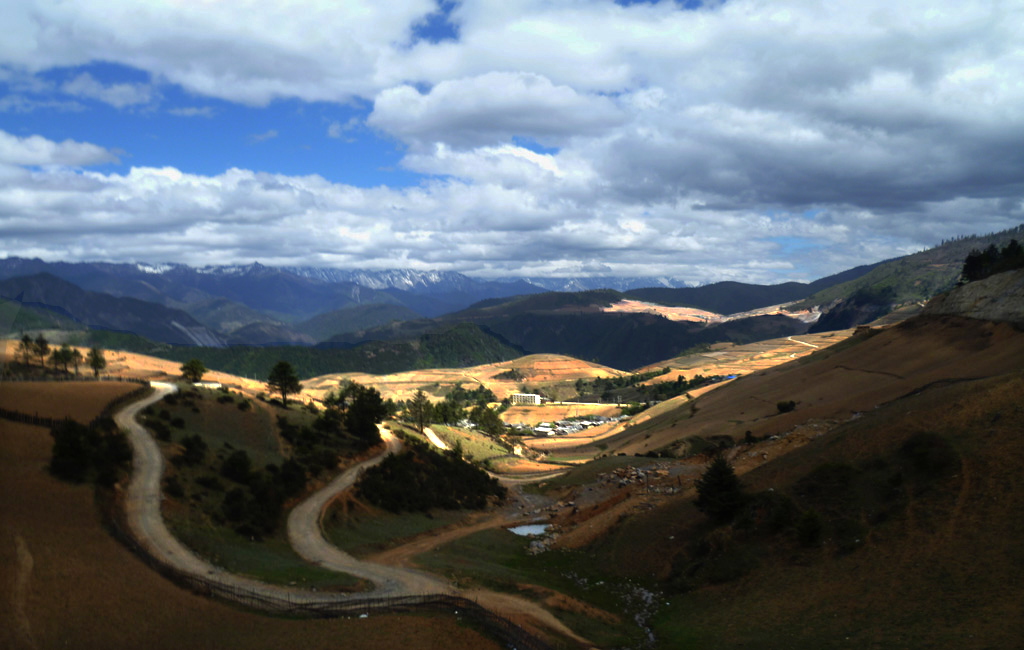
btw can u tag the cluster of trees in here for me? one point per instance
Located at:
(628, 388)
(420, 479)
(98, 452)
(981, 264)
(282, 378)
(420, 411)
(64, 356)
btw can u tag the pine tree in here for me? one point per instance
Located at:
(719, 495)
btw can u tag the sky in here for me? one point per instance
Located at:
(751, 140)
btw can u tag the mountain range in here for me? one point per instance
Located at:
(258, 305)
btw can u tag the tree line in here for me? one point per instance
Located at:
(981, 264)
(64, 356)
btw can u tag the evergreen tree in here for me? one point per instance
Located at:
(284, 380)
(193, 370)
(27, 348)
(420, 410)
(42, 347)
(719, 495)
(96, 361)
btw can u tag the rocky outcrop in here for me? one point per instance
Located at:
(996, 298)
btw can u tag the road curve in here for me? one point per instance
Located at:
(306, 537)
(142, 506)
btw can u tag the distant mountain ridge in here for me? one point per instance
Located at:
(103, 311)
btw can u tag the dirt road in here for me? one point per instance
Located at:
(306, 537)
(142, 505)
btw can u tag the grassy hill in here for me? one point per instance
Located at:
(736, 297)
(919, 545)
(916, 277)
(450, 347)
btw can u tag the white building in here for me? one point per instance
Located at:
(525, 398)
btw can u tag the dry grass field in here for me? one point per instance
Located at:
(945, 570)
(536, 371)
(831, 387)
(80, 401)
(66, 583)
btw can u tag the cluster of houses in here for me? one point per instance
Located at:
(568, 427)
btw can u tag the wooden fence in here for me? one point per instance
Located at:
(108, 410)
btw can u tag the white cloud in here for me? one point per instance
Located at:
(118, 95)
(256, 138)
(337, 129)
(491, 108)
(871, 127)
(192, 111)
(520, 220)
(38, 151)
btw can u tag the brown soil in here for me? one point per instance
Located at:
(82, 589)
(838, 384)
(81, 401)
(945, 572)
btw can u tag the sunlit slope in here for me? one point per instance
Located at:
(835, 384)
(552, 372)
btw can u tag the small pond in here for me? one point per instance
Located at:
(530, 529)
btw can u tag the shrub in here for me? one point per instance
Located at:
(194, 450)
(210, 483)
(930, 454)
(225, 399)
(178, 423)
(237, 467)
(245, 405)
(165, 414)
(786, 407)
(172, 486)
(809, 529)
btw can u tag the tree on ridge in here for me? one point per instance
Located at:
(284, 380)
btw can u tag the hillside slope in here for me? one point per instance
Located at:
(103, 311)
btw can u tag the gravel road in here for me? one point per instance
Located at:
(142, 505)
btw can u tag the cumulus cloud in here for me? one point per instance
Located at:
(670, 139)
(484, 225)
(38, 151)
(491, 108)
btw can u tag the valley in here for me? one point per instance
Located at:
(878, 455)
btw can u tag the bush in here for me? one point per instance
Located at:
(194, 450)
(245, 405)
(225, 399)
(930, 454)
(165, 414)
(172, 486)
(786, 407)
(159, 429)
(210, 483)
(809, 529)
(237, 467)
(178, 423)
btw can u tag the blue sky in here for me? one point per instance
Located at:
(735, 140)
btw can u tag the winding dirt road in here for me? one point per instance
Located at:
(306, 537)
(142, 505)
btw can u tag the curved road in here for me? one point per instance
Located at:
(142, 506)
(306, 537)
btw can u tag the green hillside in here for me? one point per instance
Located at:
(916, 277)
(450, 347)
